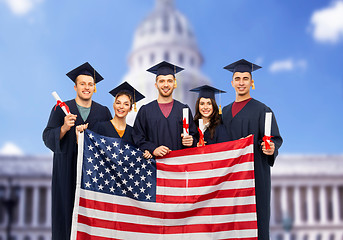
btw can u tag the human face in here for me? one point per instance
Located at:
(122, 106)
(165, 85)
(205, 107)
(242, 82)
(84, 87)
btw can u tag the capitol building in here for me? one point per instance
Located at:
(307, 190)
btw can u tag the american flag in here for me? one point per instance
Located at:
(197, 193)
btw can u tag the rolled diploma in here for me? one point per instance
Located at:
(185, 116)
(55, 95)
(201, 125)
(268, 124)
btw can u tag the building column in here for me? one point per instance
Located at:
(297, 206)
(272, 207)
(323, 205)
(35, 206)
(284, 202)
(310, 205)
(335, 205)
(21, 210)
(48, 206)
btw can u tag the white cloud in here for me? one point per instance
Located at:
(10, 149)
(21, 7)
(288, 65)
(327, 23)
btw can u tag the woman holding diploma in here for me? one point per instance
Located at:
(246, 116)
(207, 112)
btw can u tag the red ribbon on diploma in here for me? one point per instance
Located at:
(265, 140)
(185, 125)
(201, 139)
(62, 104)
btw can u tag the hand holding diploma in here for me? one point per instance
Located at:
(201, 133)
(69, 119)
(268, 146)
(187, 140)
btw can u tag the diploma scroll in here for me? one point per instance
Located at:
(60, 103)
(267, 129)
(201, 132)
(185, 121)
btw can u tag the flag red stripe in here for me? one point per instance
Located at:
(183, 183)
(201, 166)
(86, 236)
(218, 147)
(206, 211)
(229, 193)
(156, 229)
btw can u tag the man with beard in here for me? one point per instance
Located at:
(59, 135)
(159, 124)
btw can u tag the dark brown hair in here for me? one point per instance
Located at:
(215, 119)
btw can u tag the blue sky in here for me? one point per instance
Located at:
(298, 43)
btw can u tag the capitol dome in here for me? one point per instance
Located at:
(163, 28)
(165, 35)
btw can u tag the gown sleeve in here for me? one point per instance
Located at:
(51, 133)
(140, 131)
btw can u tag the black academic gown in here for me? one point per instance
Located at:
(64, 163)
(220, 135)
(107, 129)
(152, 129)
(250, 120)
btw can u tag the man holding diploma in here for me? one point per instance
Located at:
(159, 124)
(59, 135)
(247, 116)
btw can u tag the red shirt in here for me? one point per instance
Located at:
(238, 106)
(166, 108)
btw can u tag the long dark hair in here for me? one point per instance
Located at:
(215, 119)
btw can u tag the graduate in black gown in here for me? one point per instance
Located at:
(59, 136)
(125, 96)
(246, 116)
(207, 109)
(159, 124)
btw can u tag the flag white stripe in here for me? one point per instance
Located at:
(207, 157)
(173, 191)
(219, 172)
(103, 232)
(129, 218)
(152, 206)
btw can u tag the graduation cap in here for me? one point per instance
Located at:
(127, 88)
(85, 69)
(206, 91)
(242, 66)
(165, 68)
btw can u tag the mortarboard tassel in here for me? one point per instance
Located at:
(220, 109)
(134, 101)
(253, 86)
(94, 81)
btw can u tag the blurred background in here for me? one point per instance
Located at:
(299, 44)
